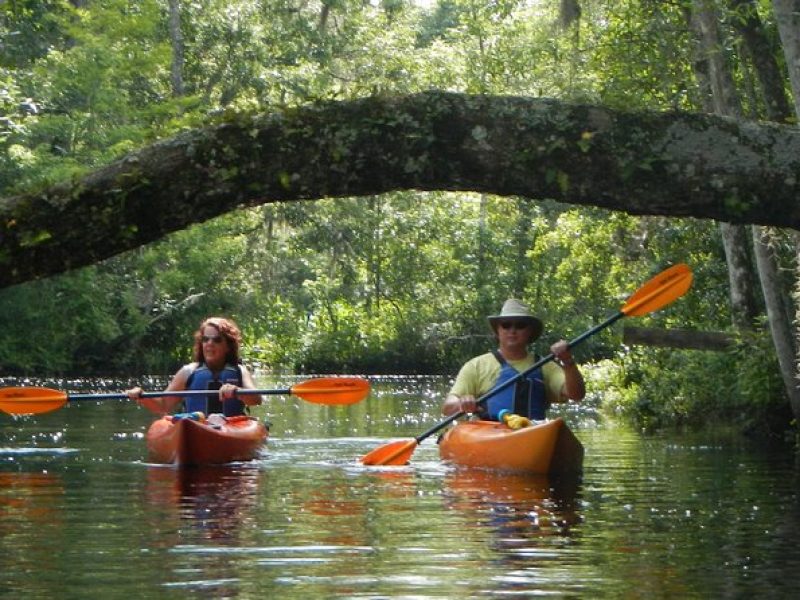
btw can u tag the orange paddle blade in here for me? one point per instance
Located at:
(664, 288)
(394, 453)
(30, 400)
(332, 390)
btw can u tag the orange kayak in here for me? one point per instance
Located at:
(544, 448)
(189, 442)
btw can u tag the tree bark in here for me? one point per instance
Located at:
(779, 323)
(671, 164)
(762, 55)
(721, 97)
(726, 100)
(787, 16)
(176, 41)
(761, 52)
(687, 339)
(741, 283)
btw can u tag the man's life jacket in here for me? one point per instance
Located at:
(203, 378)
(526, 397)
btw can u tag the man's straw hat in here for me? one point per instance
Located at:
(514, 310)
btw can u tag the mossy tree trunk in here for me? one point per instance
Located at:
(672, 164)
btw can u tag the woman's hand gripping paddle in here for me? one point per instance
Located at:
(658, 292)
(324, 390)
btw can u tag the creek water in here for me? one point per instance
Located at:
(652, 516)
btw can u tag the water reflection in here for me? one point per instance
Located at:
(29, 500)
(527, 522)
(215, 502)
(202, 515)
(517, 507)
(31, 519)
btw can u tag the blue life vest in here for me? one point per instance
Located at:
(526, 397)
(203, 378)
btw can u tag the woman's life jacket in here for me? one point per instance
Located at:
(203, 378)
(526, 397)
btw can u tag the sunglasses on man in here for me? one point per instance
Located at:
(514, 324)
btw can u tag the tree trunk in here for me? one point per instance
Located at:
(762, 54)
(740, 276)
(771, 82)
(524, 241)
(678, 338)
(721, 98)
(485, 296)
(671, 164)
(778, 320)
(176, 40)
(727, 102)
(375, 257)
(787, 16)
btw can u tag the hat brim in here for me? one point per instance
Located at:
(536, 325)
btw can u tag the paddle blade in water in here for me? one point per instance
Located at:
(394, 453)
(30, 400)
(663, 289)
(332, 390)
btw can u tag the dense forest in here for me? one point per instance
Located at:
(400, 282)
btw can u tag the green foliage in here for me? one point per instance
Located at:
(77, 323)
(30, 29)
(397, 283)
(641, 54)
(668, 387)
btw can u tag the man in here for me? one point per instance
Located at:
(529, 397)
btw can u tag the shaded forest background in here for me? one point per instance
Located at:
(402, 282)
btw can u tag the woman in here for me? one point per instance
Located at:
(216, 366)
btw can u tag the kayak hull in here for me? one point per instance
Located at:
(547, 448)
(185, 442)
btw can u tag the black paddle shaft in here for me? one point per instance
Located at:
(181, 393)
(542, 361)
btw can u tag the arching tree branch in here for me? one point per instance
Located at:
(669, 164)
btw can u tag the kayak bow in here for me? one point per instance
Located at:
(543, 448)
(185, 441)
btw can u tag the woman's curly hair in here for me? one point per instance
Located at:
(227, 329)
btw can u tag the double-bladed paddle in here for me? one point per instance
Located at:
(661, 290)
(323, 390)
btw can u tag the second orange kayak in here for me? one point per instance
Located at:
(544, 448)
(187, 441)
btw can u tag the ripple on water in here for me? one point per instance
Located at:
(37, 450)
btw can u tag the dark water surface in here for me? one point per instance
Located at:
(665, 516)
